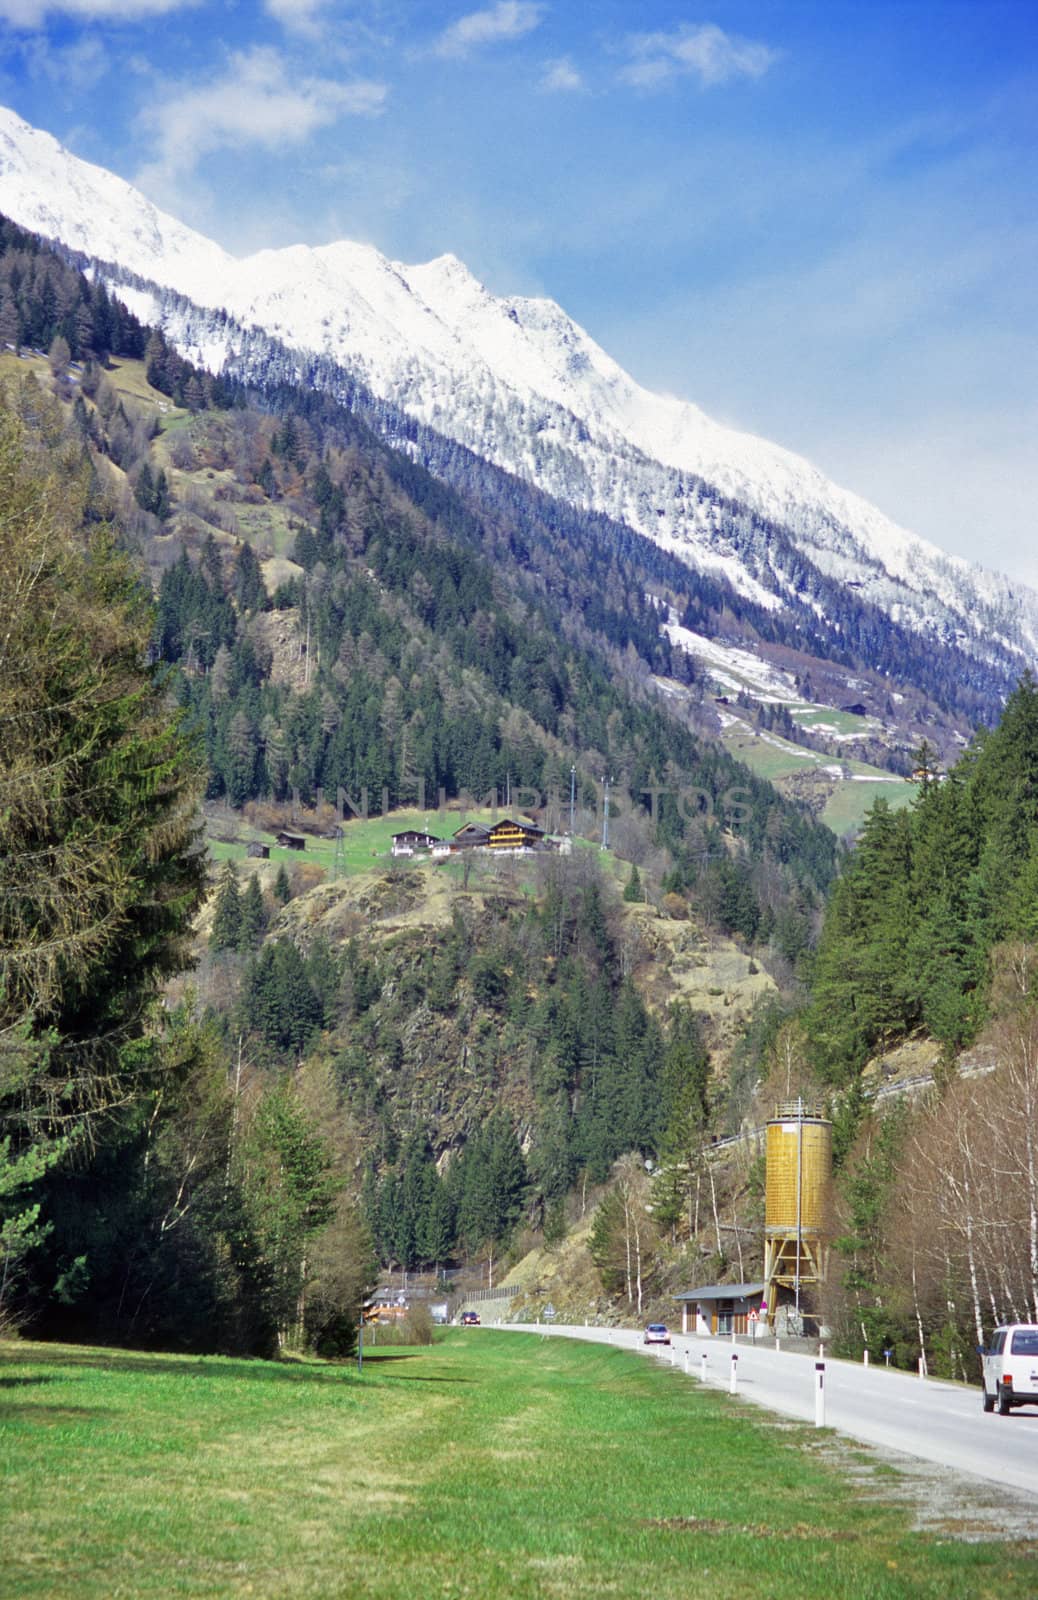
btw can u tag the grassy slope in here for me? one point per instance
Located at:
(848, 799)
(491, 1465)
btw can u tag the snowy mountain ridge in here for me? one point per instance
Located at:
(516, 381)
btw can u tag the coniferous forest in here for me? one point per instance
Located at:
(224, 1105)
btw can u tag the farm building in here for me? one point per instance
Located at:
(259, 852)
(470, 836)
(291, 841)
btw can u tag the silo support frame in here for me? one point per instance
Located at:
(780, 1265)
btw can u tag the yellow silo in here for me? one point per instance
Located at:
(799, 1152)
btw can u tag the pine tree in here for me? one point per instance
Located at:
(144, 488)
(227, 916)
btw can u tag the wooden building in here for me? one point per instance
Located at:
(259, 852)
(411, 841)
(510, 835)
(291, 841)
(470, 836)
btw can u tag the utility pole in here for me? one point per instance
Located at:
(605, 818)
(572, 796)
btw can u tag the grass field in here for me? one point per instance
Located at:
(500, 1466)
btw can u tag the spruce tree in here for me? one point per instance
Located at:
(253, 916)
(227, 916)
(99, 872)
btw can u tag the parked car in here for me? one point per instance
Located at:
(657, 1333)
(470, 1319)
(1010, 1367)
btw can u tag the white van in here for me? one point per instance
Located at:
(1010, 1365)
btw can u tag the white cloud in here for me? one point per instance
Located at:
(30, 14)
(561, 76)
(509, 19)
(705, 52)
(257, 101)
(296, 16)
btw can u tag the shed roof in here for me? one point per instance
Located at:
(723, 1291)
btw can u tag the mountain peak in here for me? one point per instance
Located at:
(518, 381)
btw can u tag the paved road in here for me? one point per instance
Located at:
(935, 1421)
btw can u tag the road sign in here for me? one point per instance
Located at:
(753, 1317)
(549, 1311)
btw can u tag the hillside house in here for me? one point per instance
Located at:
(470, 836)
(258, 852)
(510, 835)
(291, 841)
(411, 841)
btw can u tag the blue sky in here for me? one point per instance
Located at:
(816, 220)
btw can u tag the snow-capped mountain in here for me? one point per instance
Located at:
(516, 381)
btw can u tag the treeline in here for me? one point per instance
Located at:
(153, 1189)
(488, 1068)
(936, 1241)
(927, 894)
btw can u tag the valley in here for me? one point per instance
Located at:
(408, 1064)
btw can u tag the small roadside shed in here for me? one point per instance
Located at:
(720, 1307)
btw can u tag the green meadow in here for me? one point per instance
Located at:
(496, 1465)
(367, 842)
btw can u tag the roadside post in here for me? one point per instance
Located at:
(702, 1366)
(752, 1320)
(733, 1381)
(819, 1394)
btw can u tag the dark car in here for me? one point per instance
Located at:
(657, 1333)
(470, 1319)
